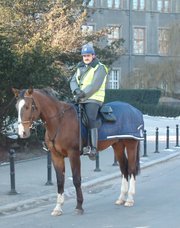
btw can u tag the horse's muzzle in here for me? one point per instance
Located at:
(23, 132)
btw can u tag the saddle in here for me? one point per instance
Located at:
(105, 114)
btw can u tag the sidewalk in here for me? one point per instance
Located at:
(31, 175)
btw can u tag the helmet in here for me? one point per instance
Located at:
(87, 49)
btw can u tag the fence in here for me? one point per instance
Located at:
(97, 163)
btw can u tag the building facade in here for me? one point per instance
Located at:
(143, 24)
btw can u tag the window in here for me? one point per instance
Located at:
(116, 4)
(109, 3)
(91, 3)
(114, 79)
(138, 4)
(164, 6)
(139, 40)
(87, 28)
(138, 78)
(114, 33)
(163, 41)
(177, 6)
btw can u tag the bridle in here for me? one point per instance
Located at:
(33, 108)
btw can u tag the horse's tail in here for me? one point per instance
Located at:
(138, 159)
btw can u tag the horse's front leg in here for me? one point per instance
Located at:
(59, 166)
(76, 174)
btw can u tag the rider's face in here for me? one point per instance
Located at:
(88, 58)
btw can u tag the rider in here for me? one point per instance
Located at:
(88, 88)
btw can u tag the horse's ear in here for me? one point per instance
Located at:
(16, 92)
(29, 91)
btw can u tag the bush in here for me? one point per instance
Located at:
(143, 96)
(144, 100)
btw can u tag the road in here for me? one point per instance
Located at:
(156, 205)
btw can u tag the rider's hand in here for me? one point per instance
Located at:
(78, 96)
(77, 91)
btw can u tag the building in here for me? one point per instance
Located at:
(143, 24)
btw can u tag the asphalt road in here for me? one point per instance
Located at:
(156, 205)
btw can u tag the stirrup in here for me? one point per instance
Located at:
(92, 155)
(91, 152)
(86, 150)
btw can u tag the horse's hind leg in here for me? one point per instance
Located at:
(76, 174)
(119, 150)
(59, 166)
(133, 166)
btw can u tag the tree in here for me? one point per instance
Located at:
(43, 40)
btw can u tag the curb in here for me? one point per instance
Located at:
(69, 192)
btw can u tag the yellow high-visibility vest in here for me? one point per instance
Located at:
(87, 79)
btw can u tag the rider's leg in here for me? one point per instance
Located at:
(91, 110)
(94, 140)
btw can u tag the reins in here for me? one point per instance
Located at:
(59, 115)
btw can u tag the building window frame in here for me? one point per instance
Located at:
(114, 78)
(139, 40)
(88, 28)
(164, 6)
(139, 5)
(177, 7)
(117, 4)
(110, 3)
(115, 34)
(163, 34)
(91, 3)
(114, 4)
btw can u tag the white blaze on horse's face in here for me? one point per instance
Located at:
(22, 131)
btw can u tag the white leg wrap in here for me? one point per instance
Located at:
(131, 192)
(124, 190)
(58, 210)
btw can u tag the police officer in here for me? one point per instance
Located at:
(88, 88)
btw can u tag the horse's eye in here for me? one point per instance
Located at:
(26, 107)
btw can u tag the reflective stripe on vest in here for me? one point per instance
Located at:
(87, 80)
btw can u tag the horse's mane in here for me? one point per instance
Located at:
(50, 92)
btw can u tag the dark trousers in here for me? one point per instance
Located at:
(91, 110)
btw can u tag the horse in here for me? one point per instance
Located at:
(62, 139)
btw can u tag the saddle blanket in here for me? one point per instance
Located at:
(129, 123)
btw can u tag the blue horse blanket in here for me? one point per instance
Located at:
(129, 123)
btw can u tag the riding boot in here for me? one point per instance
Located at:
(94, 141)
(91, 151)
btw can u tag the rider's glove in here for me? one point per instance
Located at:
(77, 91)
(79, 95)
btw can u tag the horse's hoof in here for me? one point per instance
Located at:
(79, 211)
(129, 203)
(120, 202)
(56, 213)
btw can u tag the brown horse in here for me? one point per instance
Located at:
(62, 140)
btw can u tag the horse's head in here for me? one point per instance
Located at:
(27, 111)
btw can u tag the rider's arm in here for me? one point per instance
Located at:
(73, 83)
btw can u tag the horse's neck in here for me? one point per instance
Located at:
(49, 107)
